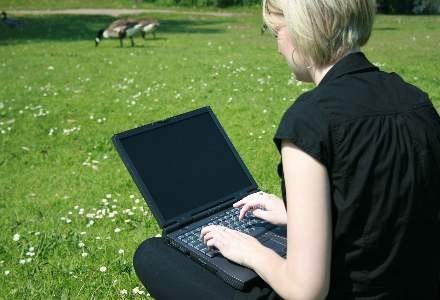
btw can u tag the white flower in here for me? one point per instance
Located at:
(121, 251)
(16, 237)
(108, 196)
(123, 292)
(158, 235)
(135, 290)
(82, 233)
(7, 272)
(37, 233)
(141, 292)
(81, 244)
(22, 261)
(131, 196)
(50, 68)
(84, 254)
(31, 249)
(103, 269)
(117, 229)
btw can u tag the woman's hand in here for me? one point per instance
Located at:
(234, 245)
(264, 206)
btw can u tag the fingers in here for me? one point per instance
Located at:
(251, 205)
(247, 199)
(208, 231)
(214, 235)
(251, 202)
(261, 214)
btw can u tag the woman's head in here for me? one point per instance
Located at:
(322, 31)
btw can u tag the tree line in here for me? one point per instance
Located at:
(408, 6)
(383, 6)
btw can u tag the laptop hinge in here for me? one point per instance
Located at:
(198, 216)
(176, 225)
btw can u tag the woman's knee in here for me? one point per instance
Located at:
(144, 255)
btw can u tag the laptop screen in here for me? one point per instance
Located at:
(185, 164)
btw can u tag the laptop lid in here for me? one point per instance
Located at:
(184, 165)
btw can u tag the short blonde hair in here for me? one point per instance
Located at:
(322, 30)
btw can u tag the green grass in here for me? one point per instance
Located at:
(61, 100)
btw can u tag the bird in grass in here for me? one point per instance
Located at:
(11, 23)
(119, 29)
(263, 28)
(148, 26)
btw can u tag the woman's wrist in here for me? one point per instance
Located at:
(257, 256)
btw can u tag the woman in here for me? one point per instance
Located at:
(360, 174)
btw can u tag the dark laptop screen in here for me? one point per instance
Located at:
(185, 164)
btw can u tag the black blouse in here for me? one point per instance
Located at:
(379, 138)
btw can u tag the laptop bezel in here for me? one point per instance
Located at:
(188, 216)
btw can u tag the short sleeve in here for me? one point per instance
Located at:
(307, 127)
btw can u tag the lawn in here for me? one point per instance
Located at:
(71, 215)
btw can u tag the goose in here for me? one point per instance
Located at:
(263, 28)
(119, 29)
(10, 22)
(148, 26)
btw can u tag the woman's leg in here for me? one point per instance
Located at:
(169, 274)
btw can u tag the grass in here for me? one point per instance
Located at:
(61, 100)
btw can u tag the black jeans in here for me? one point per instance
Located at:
(169, 274)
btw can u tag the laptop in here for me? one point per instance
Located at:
(190, 174)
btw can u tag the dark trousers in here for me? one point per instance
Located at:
(169, 274)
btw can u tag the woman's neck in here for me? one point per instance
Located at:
(318, 73)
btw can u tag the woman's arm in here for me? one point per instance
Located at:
(305, 274)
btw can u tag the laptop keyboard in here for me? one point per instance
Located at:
(249, 225)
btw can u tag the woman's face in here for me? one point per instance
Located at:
(294, 60)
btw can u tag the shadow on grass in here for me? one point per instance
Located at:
(78, 27)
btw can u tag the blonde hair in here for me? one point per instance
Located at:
(322, 30)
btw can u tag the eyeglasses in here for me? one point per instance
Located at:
(277, 13)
